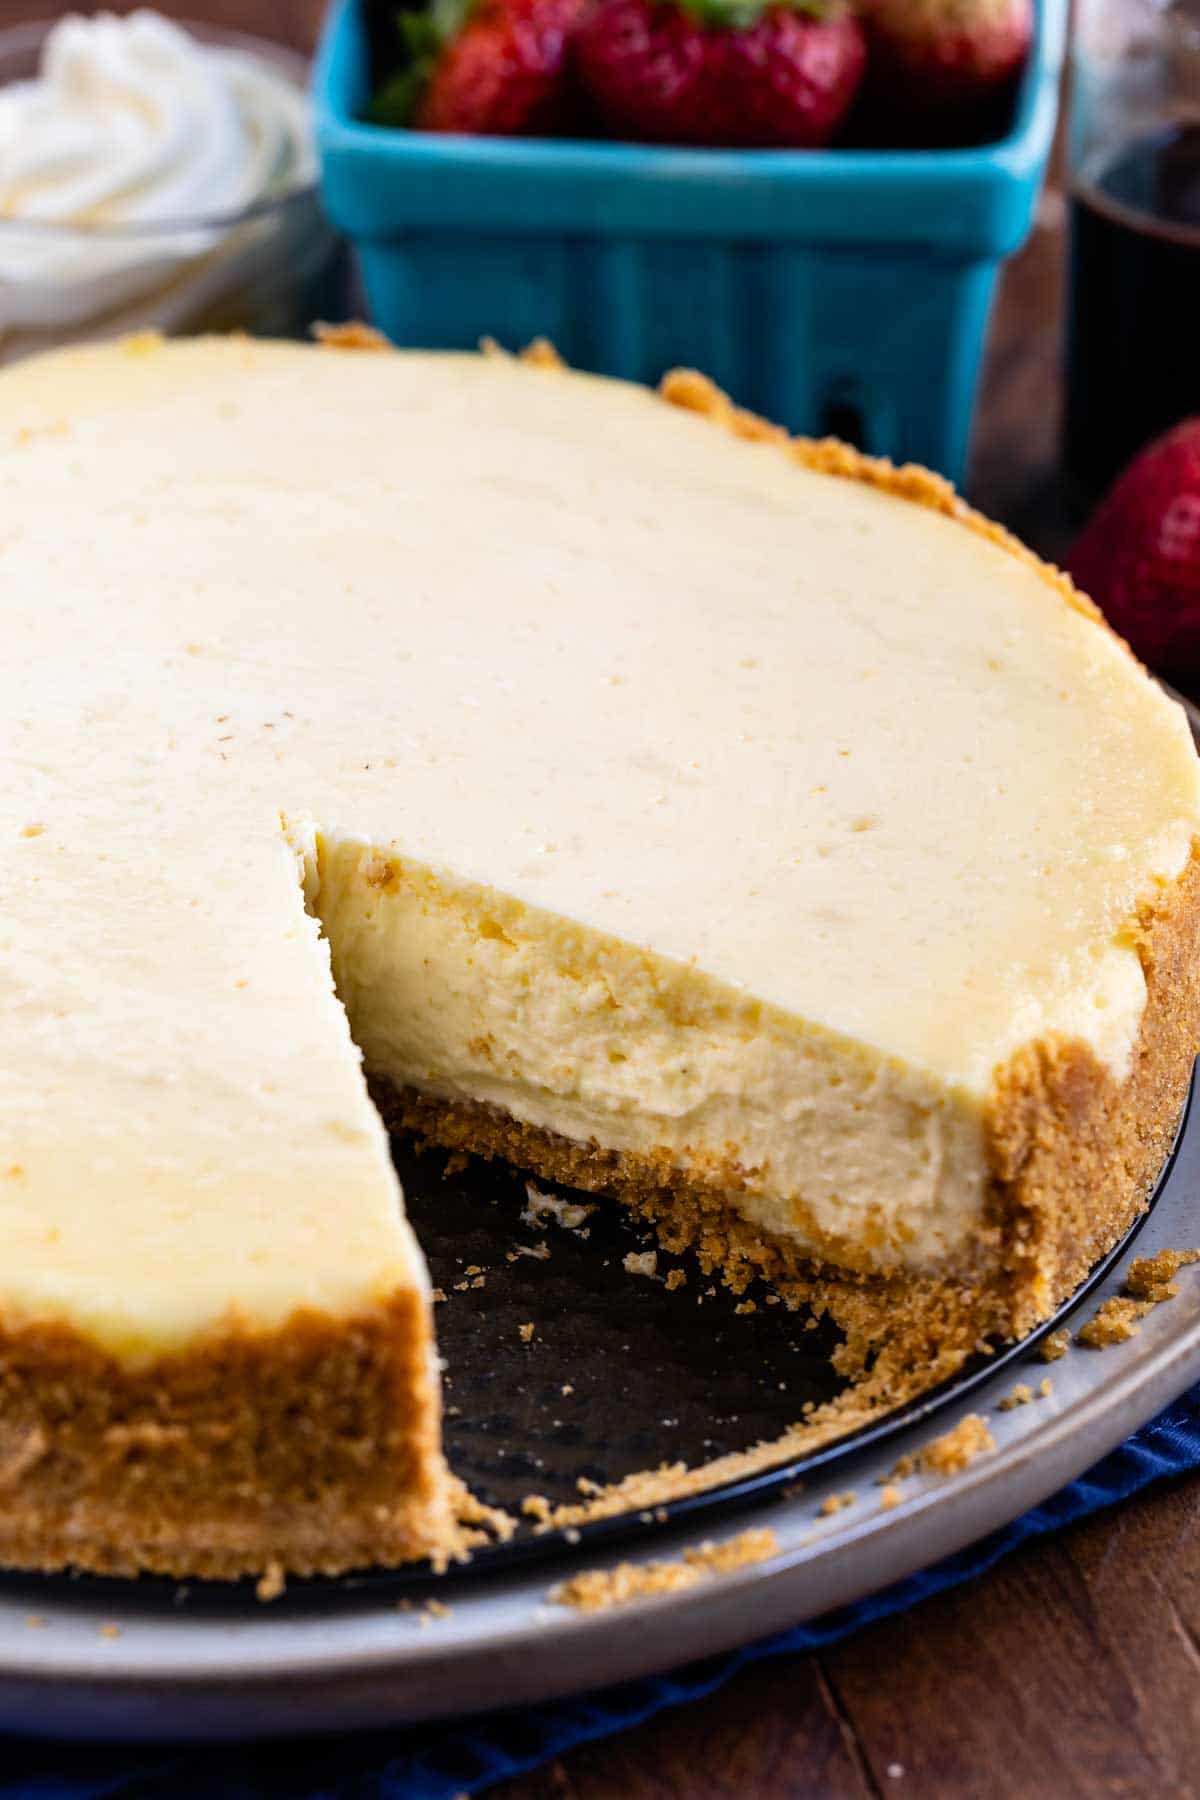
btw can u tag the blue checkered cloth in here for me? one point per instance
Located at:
(440, 1761)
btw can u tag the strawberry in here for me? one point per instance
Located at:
(497, 68)
(942, 63)
(744, 72)
(1139, 558)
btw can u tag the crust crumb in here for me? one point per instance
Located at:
(890, 1496)
(595, 1590)
(676, 1278)
(641, 1262)
(1044, 1388)
(271, 1583)
(1054, 1345)
(478, 1522)
(110, 1630)
(951, 1453)
(356, 334)
(1113, 1323)
(525, 1332)
(1152, 1277)
(570, 1214)
(1021, 1395)
(957, 1449)
(145, 343)
(541, 354)
(835, 1503)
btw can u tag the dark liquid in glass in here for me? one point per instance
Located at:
(1133, 366)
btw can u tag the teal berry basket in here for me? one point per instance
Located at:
(842, 291)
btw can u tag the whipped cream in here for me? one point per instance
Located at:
(131, 124)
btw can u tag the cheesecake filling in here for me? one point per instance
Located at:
(464, 993)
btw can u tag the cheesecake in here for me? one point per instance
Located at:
(561, 771)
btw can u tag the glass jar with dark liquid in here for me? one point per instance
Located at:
(1133, 358)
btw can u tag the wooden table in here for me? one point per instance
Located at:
(1073, 1668)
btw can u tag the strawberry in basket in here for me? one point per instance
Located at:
(721, 72)
(498, 68)
(946, 68)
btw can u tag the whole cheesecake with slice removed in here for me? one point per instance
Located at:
(738, 827)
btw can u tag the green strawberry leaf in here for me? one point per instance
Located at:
(422, 34)
(740, 15)
(448, 17)
(395, 99)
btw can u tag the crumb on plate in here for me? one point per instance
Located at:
(1115, 1322)
(951, 1453)
(595, 1590)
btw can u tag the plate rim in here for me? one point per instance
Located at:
(532, 1652)
(537, 1653)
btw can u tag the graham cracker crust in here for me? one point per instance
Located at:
(1074, 1153)
(315, 1447)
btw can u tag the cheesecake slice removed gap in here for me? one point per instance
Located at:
(736, 827)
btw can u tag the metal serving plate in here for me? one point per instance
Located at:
(620, 1374)
(214, 1662)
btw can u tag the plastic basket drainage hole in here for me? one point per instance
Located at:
(842, 418)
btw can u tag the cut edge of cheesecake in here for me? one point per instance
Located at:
(189, 1464)
(1073, 1156)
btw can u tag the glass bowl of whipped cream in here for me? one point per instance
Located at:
(156, 176)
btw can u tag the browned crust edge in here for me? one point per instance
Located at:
(1074, 1152)
(693, 392)
(314, 1448)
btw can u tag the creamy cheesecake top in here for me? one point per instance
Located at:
(818, 748)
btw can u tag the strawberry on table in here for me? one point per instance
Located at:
(721, 72)
(1139, 558)
(497, 68)
(945, 63)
